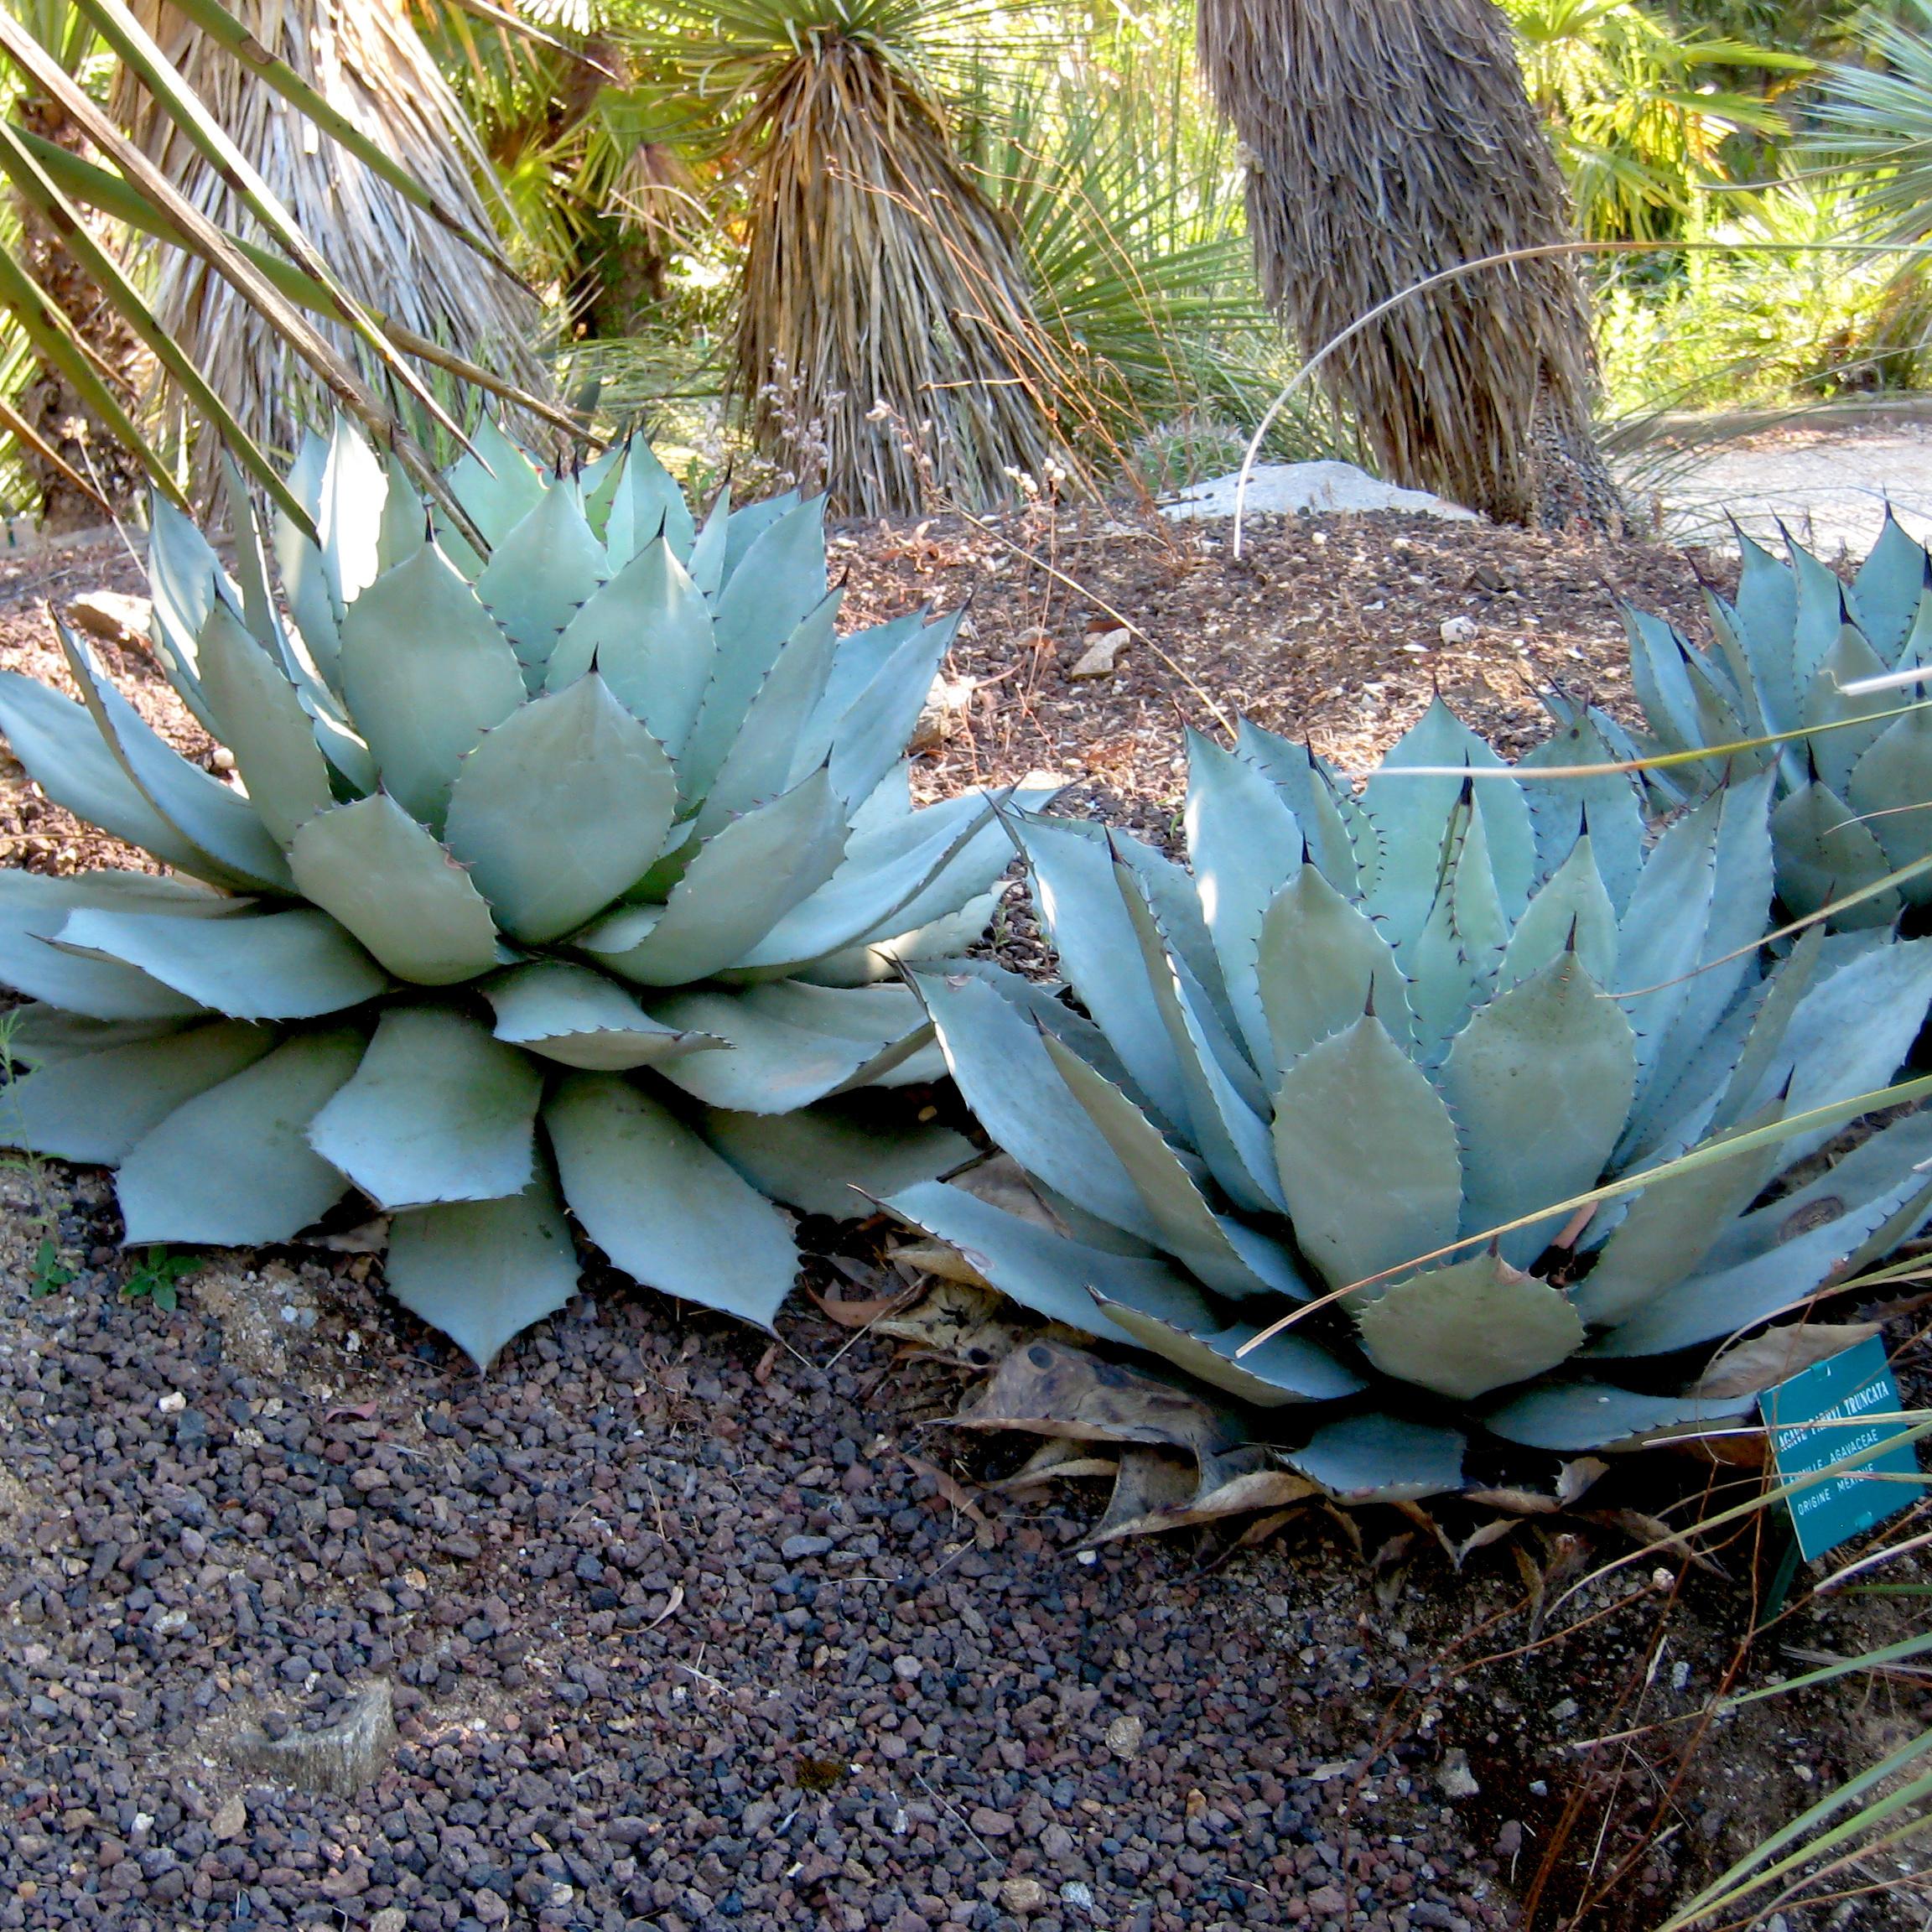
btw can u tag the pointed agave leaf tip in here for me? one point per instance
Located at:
(1368, 1004)
(1570, 944)
(1810, 761)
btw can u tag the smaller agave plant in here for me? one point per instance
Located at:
(1855, 792)
(570, 878)
(1366, 1028)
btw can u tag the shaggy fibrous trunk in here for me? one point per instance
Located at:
(366, 59)
(887, 343)
(50, 403)
(1387, 140)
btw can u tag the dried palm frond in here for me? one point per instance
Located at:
(887, 342)
(1387, 142)
(364, 59)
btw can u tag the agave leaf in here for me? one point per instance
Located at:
(98, 989)
(496, 483)
(405, 528)
(746, 525)
(742, 882)
(184, 581)
(1231, 1260)
(869, 736)
(312, 598)
(790, 1043)
(397, 890)
(295, 965)
(781, 581)
(960, 895)
(232, 1167)
(1767, 612)
(706, 560)
(94, 1106)
(884, 958)
(1368, 1153)
(577, 1018)
(1668, 1229)
(426, 672)
(1789, 980)
(646, 503)
(1453, 962)
(235, 849)
(835, 1160)
(662, 1205)
(482, 1271)
(34, 907)
(1741, 890)
(1885, 594)
(857, 659)
(1410, 815)
(1606, 809)
(1834, 751)
(1820, 617)
(1824, 853)
(1721, 1300)
(1283, 1370)
(1381, 1459)
(1569, 1416)
(257, 714)
(1225, 1102)
(437, 1111)
(1660, 675)
(538, 575)
(994, 1050)
(880, 879)
(38, 1035)
(561, 810)
(773, 751)
(1320, 961)
(1890, 789)
(1540, 1083)
(1572, 912)
(1044, 1271)
(1462, 1330)
(1342, 843)
(1079, 901)
(1661, 934)
(649, 632)
(1678, 1112)
(1242, 841)
(1723, 716)
(351, 494)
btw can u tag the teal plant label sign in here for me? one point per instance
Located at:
(1839, 1408)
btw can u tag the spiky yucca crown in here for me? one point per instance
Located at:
(1364, 1029)
(569, 877)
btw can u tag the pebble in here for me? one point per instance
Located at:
(1022, 1894)
(1123, 1736)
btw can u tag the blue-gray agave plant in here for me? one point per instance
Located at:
(1855, 793)
(575, 876)
(1365, 1027)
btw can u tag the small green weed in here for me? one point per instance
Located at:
(50, 1273)
(157, 1278)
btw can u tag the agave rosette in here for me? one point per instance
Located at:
(1855, 790)
(572, 878)
(1362, 1029)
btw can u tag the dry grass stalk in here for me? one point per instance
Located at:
(366, 59)
(1386, 143)
(877, 275)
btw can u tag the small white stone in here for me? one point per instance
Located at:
(1460, 630)
(172, 1402)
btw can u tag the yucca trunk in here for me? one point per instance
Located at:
(1386, 143)
(887, 342)
(50, 404)
(364, 58)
